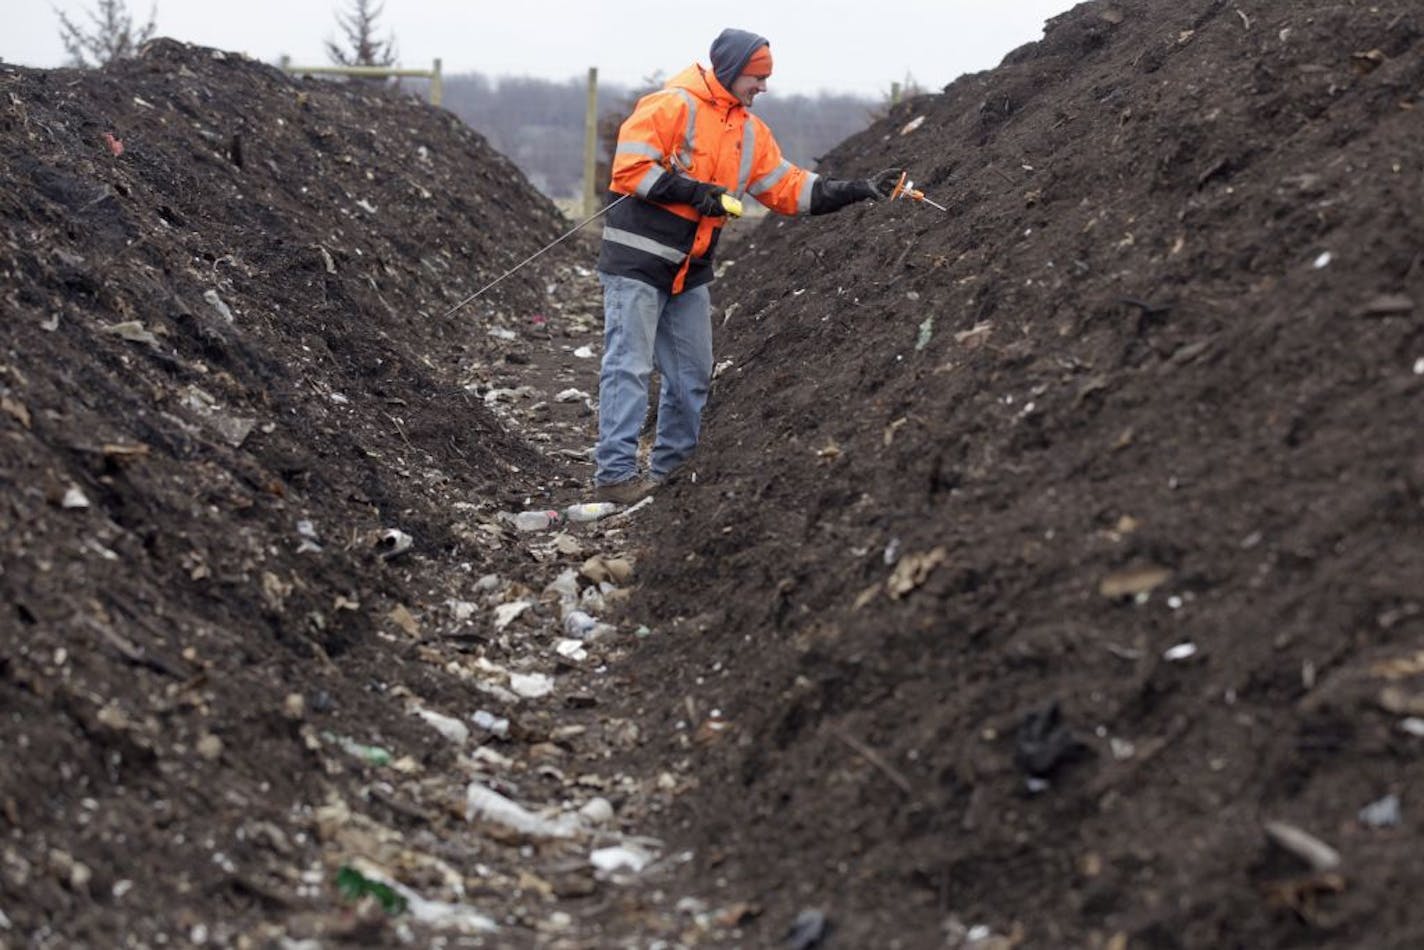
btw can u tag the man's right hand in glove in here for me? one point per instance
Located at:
(709, 201)
(680, 189)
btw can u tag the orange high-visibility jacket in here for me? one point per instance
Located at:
(693, 127)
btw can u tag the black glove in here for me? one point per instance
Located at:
(882, 183)
(829, 195)
(709, 200)
(680, 189)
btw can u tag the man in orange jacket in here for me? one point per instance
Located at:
(682, 150)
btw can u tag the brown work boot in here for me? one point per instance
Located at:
(624, 493)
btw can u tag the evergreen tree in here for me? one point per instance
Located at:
(362, 49)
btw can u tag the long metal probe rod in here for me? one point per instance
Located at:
(567, 234)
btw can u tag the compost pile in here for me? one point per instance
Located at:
(1052, 566)
(251, 478)
(1049, 574)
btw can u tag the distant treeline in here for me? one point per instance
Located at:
(539, 123)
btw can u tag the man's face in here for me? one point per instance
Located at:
(747, 87)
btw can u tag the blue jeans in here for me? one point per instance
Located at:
(643, 327)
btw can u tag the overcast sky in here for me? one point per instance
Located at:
(833, 45)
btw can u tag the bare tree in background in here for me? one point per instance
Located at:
(359, 25)
(112, 36)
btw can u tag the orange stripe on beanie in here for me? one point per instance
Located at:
(760, 63)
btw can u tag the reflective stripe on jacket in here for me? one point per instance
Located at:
(694, 127)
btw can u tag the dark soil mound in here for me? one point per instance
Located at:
(1041, 553)
(226, 352)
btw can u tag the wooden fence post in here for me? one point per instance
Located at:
(437, 87)
(590, 145)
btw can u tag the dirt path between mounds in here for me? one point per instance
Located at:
(275, 665)
(1050, 574)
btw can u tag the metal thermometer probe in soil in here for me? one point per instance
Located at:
(904, 188)
(561, 238)
(730, 205)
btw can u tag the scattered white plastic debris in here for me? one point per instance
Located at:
(1384, 813)
(310, 542)
(74, 497)
(584, 352)
(441, 915)
(1413, 725)
(620, 858)
(446, 916)
(500, 333)
(133, 331)
(366, 206)
(578, 624)
(912, 125)
(489, 722)
(485, 804)
(393, 541)
(892, 552)
(216, 302)
(633, 509)
(565, 586)
(1323, 260)
(1303, 845)
(449, 727)
(572, 395)
(1419, 366)
(1182, 651)
(571, 649)
(504, 614)
(531, 685)
(598, 811)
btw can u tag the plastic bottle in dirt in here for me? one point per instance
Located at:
(371, 754)
(535, 520)
(590, 511)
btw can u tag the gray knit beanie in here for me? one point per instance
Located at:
(730, 52)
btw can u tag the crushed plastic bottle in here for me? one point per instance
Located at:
(535, 520)
(590, 511)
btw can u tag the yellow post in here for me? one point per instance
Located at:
(590, 144)
(437, 88)
(895, 93)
